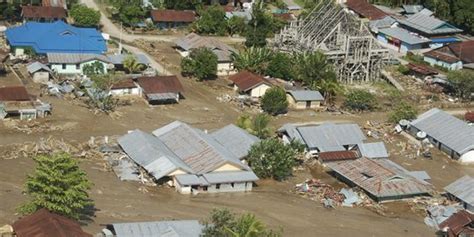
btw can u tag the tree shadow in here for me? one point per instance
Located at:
(87, 214)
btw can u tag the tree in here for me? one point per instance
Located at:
(131, 64)
(101, 98)
(95, 68)
(201, 63)
(462, 82)
(330, 88)
(247, 226)
(258, 125)
(360, 100)
(235, 25)
(211, 21)
(252, 59)
(85, 16)
(272, 159)
(131, 15)
(274, 101)
(312, 67)
(217, 223)
(402, 111)
(59, 185)
(259, 27)
(280, 66)
(181, 4)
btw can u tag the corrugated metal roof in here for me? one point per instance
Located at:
(373, 150)
(412, 9)
(428, 24)
(380, 177)
(230, 177)
(191, 179)
(447, 129)
(235, 139)
(119, 58)
(37, 66)
(242, 14)
(166, 15)
(330, 135)
(403, 35)
(182, 228)
(463, 189)
(420, 175)
(385, 22)
(365, 9)
(160, 84)
(246, 80)
(459, 224)
(330, 156)
(306, 95)
(73, 58)
(14, 93)
(197, 149)
(194, 41)
(43, 12)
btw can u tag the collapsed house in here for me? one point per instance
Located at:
(181, 228)
(382, 179)
(16, 102)
(446, 132)
(460, 224)
(462, 190)
(249, 83)
(223, 51)
(193, 159)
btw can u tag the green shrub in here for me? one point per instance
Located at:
(274, 101)
(360, 100)
(402, 111)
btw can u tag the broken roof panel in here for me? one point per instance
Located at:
(328, 135)
(447, 129)
(235, 139)
(373, 150)
(462, 189)
(459, 224)
(182, 228)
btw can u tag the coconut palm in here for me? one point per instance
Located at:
(252, 59)
(247, 226)
(131, 64)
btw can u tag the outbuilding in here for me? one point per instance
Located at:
(249, 83)
(160, 89)
(169, 19)
(304, 99)
(125, 87)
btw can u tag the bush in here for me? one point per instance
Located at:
(84, 16)
(211, 21)
(274, 101)
(403, 69)
(280, 66)
(402, 111)
(360, 100)
(258, 125)
(201, 63)
(463, 83)
(272, 159)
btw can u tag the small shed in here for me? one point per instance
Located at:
(125, 87)
(249, 83)
(168, 19)
(40, 72)
(304, 99)
(160, 89)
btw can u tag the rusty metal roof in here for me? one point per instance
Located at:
(14, 93)
(160, 84)
(43, 12)
(460, 223)
(246, 80)
(338, 155)
(365, 9)
(124, 84)
(44, 223)
(172, 16)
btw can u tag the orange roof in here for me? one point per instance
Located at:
(365, 9)
(43, 12)
(246, 80)
(14, 93)
(160, 84)
(172, 16)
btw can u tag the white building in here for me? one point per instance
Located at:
(74, 63)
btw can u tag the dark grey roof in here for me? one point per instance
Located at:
(230, 177)
(412, 9)
(429, 24)
(197, 149)
(183, 228)
(385, 22)
(447, 129)
(194, 41)
(152, 154)
(403, 35)
(328, 136)
(306, 95)
(73, 58)
(463, 189)
(119, 58)
(373, 150)
(235, 139)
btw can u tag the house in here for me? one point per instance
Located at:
(118, 59)
(40, 72)
(452, 56)
(401, 39)
(235, 139)
(168, 19)
(385, 22)
(249, 83)
(460, 224)
(160, 89)
(54, 37)
(426, 25)
(325, 137)
(74, 63)
(54, 3)
(43, 14)
(175, 228)
(44, 223)
(125, 87)
(304, 99)
(463, 191)
(447, 133)
(373, 150)
(15, 101)
(193, 160)
(365, 10)
(382, 179)
(223, 51)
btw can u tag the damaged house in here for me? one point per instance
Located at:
(16, 102)
(462, 190)
(194, 160)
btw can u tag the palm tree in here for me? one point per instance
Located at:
(131, 64)
(247, 226)
(252, 59)
(330, 88)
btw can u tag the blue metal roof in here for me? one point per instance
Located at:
(56, 37)
(445, 40)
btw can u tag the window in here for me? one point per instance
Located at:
(218, 186)
(64, 66)
(78, 66)
(232, 184)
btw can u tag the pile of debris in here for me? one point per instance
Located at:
(316, 190)
(32, 126)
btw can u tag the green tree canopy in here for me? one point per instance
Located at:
(257, 125)
(252, 59)
(182, 4)
(313, 67)
(274, 101)
(59, 185)
(260, 27)
(272, 159)
(236, 25)
(201, 63)
(131, 15)
(95, 68)
(360, 100)
(402, 111)
(463, 83)
(280, 66)
(84, 16)
(211, 21)
(131, 64)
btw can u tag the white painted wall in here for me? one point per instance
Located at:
(72, 68)
(451, 66)
(259, 91)
(126, 91)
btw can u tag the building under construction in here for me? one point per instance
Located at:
(341, 36)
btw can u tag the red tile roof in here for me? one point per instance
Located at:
(160, 84)
(172, 16)
(246, 80)
(14, 93)
(365, 9)
(124, 84)
(338, 155)
(44, 223)
(459, 223)
(43, 12)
